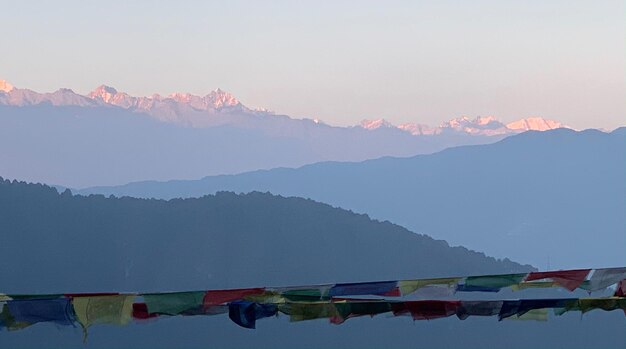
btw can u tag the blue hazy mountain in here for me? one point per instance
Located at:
(89, 145)
(55, 242)
(551, 199)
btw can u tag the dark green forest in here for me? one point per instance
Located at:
(94, 243)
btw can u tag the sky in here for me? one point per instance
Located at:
(339, 61)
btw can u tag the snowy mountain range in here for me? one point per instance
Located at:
(220, 107)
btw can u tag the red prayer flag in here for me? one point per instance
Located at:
(224, 296)
(140, 312)
(569, 279)
(426, 310)
(621, 290)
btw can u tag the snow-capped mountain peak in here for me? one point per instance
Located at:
(481, 125)
(485, 120)
(534, 124)
(219, 98)
(478, 122)
(5, 86)
(375, 124)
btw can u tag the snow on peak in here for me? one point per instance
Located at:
(419, 129)
(219, 99)
(103, 92)
(374, 124)
(480, 125)
(534, 124)
(488, 122)
(5, 86)
(485, 120)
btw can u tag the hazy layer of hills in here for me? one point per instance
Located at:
(108, 137)
(551, 198)
(55, 242)
(220, 241)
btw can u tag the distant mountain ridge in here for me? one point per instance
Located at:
(201, 111)
(545, 198)
(486, 126)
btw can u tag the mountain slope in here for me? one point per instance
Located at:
(219, 241)
(545, 198)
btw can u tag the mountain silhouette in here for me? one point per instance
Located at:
(219, 241)
(550, 199)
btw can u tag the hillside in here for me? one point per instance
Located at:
(525, 197)
(220, 241)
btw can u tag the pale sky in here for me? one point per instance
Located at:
(340, 61)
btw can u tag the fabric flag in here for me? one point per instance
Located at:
(621, 289)
(32, 311)
(568, 305)
(2, 316)
(426, 310)
(173, 303)
(523, 306)
(245, 313)
(302, 311)
(268, 296)
(311, 293)
(385, 288)
(534, 284)
(527, 305)
(8, 321)
(607, 304)
(218, 297)
(478, 308)
(490, 283)
(569, 279)
(535, 315)
(350, 309)
(207, 310)
(115, 309)
(35, 296)
(442, 286)
(509, 308)
(3, 321)
(469, 288)
(603, 278)
(140, 312)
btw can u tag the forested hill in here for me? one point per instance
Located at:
(75, 243)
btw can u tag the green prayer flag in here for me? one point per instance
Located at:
(301, 311)
(494, 281)
(173, 303)
(306, 294)
(409, 286)
(346, 310)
